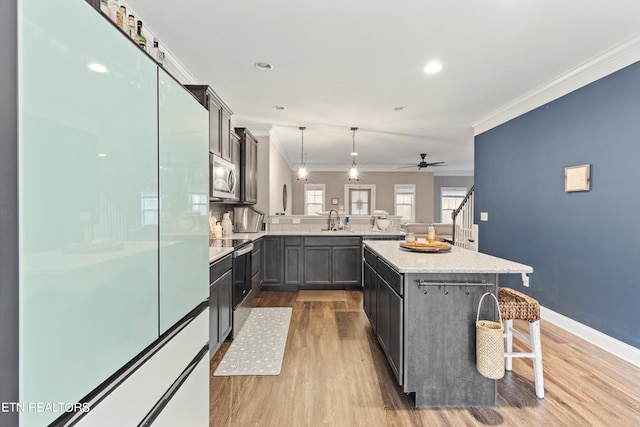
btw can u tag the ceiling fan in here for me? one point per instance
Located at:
(423, 163)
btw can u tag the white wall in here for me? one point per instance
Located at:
(384, 182)
(279, 176)
(263, 174)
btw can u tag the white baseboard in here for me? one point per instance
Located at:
(612, 345)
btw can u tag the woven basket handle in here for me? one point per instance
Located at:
(497, 305)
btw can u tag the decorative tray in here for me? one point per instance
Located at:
(426, 247)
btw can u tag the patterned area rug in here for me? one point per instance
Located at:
(259, 347)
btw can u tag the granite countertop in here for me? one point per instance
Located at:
(357, 233)
(458, 260)
(216, 253)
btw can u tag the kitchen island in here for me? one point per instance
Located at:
(422, 308)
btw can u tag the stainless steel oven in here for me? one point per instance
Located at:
(241, 272)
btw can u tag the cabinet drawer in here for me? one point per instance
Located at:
(219, 267)
(293, 241)
(332, 241)
(391, 276)
(371, 258)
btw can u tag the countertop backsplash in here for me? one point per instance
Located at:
(318, 222)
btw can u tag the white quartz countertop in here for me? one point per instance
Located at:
(458, 260)
(215, 253)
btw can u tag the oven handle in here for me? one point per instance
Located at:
(245, 250)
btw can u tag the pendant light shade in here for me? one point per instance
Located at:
(353, 170)
(302, 169)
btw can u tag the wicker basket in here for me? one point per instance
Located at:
(490, 344)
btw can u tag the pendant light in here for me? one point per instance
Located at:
(353, 171)
(302, 170)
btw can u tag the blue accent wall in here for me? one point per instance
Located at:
(584, 246)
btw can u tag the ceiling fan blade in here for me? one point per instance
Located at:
(436, 164)
(408, 166)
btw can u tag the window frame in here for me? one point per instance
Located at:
(405, 189)
(347, 197)
(444, 218)
(314, 187)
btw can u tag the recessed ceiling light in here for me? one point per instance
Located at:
(278, 107)
(102, 155)
(263, 66)
(433, 67)
(400, 108)
(98, 68)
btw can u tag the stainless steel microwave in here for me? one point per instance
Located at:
(223, 178)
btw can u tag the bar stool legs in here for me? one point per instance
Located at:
(536, 351)
(536, 348)
(516, 305)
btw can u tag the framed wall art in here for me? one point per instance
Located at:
(577, 178)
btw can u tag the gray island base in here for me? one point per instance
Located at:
(422, 307)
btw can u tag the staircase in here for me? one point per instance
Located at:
(463, 229)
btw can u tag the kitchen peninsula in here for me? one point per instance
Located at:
(422, 308)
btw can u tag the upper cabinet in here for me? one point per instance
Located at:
(219, 120)
(235, 159)
(248, 166)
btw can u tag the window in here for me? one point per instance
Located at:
(360, 199)
(200, 203)
(405, 202)
(450, 199)
(149, 208)
(313, 198)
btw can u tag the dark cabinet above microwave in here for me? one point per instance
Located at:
(248, 166)
(219, 120)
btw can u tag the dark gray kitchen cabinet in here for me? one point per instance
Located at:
(214, 321)
(225, 133)
(256, 266)
(334, 262)
(384, 302)
(293, 263)
(248, 166)
(272, 261)
(225, 308)
(235, 159)
(383, 331)
(322, 262)
(370, 289)
(318, 265)
(346, 265)
(219, 120)
(220, 302)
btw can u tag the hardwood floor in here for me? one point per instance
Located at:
(335, 374)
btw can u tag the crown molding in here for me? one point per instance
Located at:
(620, 56)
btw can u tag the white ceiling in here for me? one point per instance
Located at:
(340, 64)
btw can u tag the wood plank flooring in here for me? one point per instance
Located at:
(335, 374)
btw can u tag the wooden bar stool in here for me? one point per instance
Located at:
(516, 305)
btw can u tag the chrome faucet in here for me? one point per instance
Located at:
(333, 225)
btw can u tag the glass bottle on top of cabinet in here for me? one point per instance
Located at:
(113, 10)
(131, 27)
(122, 19)
(140, 39)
